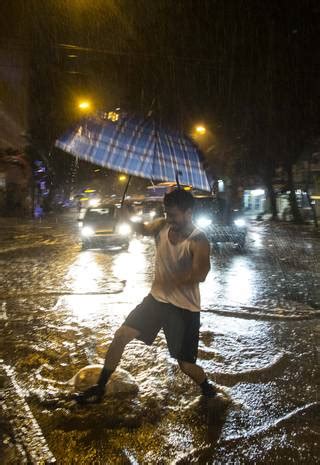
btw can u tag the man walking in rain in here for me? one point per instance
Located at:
(173, 304)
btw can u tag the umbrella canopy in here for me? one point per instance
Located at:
(138, 147)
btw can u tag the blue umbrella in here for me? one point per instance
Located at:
(138, 147)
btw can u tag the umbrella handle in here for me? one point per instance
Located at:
(125, 191)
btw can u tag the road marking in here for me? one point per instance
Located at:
(27, 432)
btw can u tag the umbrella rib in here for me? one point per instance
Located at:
(113, 144)
(146, 154)
(186, 155)
(162, 172)
(174, 161)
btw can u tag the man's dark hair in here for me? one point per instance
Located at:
(179, 198)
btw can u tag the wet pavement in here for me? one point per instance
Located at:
(259, 343)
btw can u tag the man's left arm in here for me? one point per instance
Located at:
(200, 249)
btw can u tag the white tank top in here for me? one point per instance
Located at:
(171, 259)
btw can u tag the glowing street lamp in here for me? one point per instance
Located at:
(122, 178)
(200, 130)
(84, 105)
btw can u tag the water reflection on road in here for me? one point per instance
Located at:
(235, 287)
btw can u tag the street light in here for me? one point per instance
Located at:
(84, 105)
(200, 130)
(122, 178)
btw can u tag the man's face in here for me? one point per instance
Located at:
(178, 219)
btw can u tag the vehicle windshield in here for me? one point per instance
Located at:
(203, 204)
(153, 206)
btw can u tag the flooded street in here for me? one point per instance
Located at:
(259, 343)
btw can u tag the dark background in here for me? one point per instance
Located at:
(248, 70)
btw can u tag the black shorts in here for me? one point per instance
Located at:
(180, 326)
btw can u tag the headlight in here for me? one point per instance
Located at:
(87, 231)
(136, 219)
(152, 214)
(203, 222)
(240, 222)
(124, 229)
(94, 202)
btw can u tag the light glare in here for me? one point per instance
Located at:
(84, 105)
(87, 231)
(240, 222)
(94, 202)
(124, 229)
(203, 222)
(200, 130)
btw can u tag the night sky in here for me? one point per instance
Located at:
(248, 70)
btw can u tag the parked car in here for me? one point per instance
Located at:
(208, 217)
(105, 227)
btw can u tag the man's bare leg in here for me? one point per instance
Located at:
(121, 338)
(196, 373)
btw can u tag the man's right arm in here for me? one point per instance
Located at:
(150, 229)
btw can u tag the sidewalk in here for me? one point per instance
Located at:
(287, 225)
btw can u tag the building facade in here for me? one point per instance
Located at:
(15, 168)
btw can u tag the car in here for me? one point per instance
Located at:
(105, 227)
(208, 217)
(147, 211)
